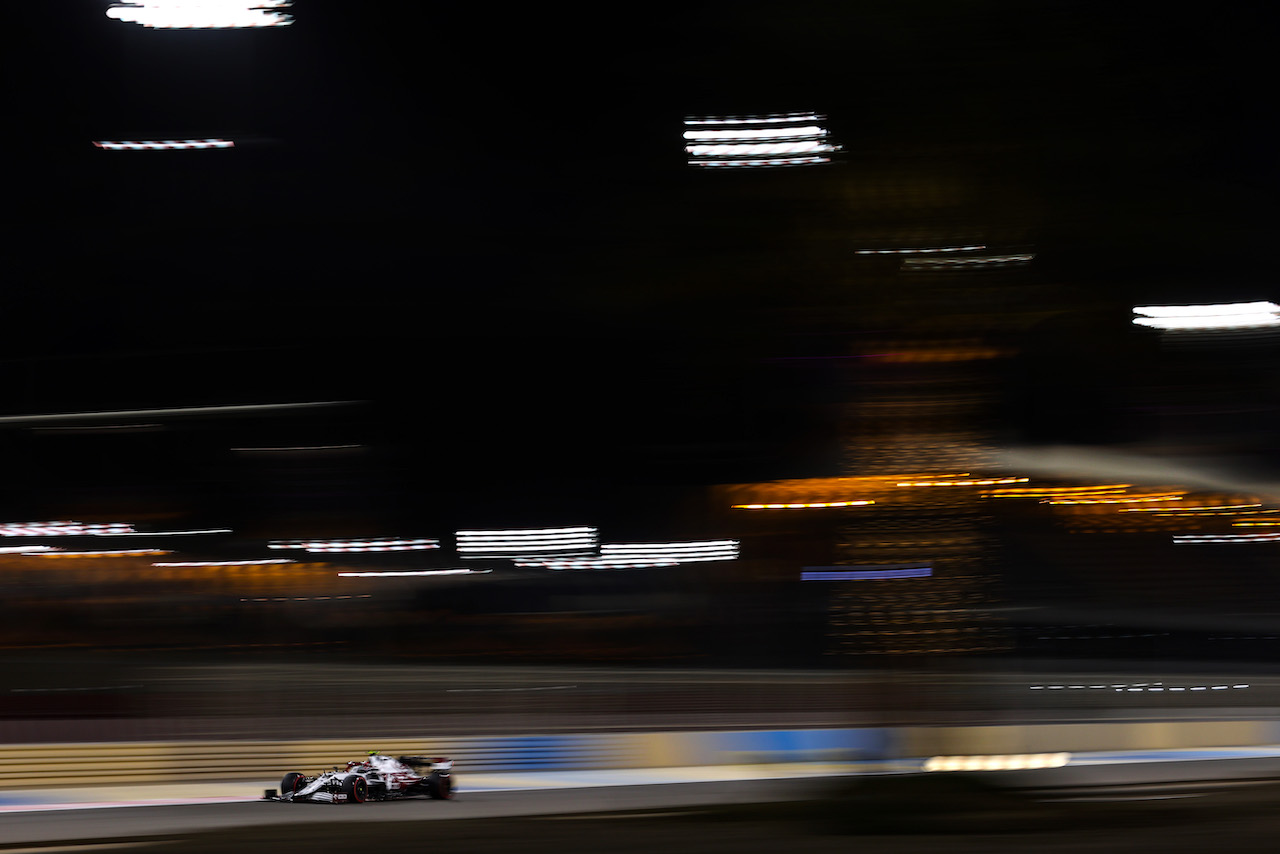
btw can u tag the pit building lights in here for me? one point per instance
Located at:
(782, 139)
(1189, 318)
(202, 14)
(526, 542)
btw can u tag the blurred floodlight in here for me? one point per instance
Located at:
(61, 529)
(682, 552)
(1227, 539)
(804, 505)
(526, 542)
(1240, 315)
(782, 139)
(164, 144)
(1013, 762)
(202, 14)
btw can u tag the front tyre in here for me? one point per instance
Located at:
(356, 788)
(292, 782)
(440, 786)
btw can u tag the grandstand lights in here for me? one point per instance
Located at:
(1240, 315)
(202, 14)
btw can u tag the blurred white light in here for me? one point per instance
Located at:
(226, 562)
(596, 563)
(202, 14)
(368, 545)
(921, 251)
(1240, 315)
(756, 120)
(172, 144)
(975, 261)
(805, 131)
(522, 542)
(789, 139)
(1228, 539)
(164, 533)
(685, 552)
(415, 572)
(61, 529)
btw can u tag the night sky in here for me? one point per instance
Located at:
(479, 220)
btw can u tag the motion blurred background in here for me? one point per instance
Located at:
(475, 240)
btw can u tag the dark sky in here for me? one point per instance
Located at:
(479, 219)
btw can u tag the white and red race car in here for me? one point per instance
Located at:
(374, 778)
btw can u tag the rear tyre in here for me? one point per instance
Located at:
(292, 782)
(440, 786)
(356, 788)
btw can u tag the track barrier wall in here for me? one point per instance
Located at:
(25, 766)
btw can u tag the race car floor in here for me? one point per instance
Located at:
(158, 794)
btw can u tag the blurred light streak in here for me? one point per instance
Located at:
(1056, 491)
(961, 263)
(202, 14)
(595, 563)
(24, 550)
(519, 542)
(789, 161)
(364, 545)
(1185, 510)
(868, 573)
(1228, 539)
(1160, 496)
(920, 251)
(165, 144)
(681, 552)
(743, 141)
(413, 572)
(963, 482)
(61, 529)
(297, 448)
(1241, 315)
(1010, 762)
(227, 562)
(100, 553)
(233, 409)
(306, 599)
(773, 118)
(802, 505)
(165, 533)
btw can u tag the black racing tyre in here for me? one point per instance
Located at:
(440, 786)
(292, 782)
(356, 788)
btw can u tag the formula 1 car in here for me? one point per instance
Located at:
(375, 778)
